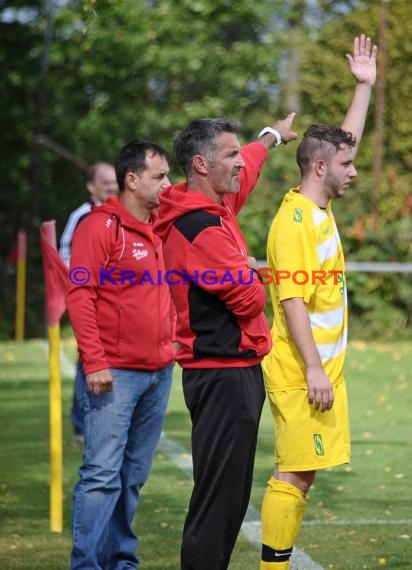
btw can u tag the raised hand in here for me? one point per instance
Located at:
(363, 62)
(284, 127)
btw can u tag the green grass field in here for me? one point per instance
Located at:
(358, 517)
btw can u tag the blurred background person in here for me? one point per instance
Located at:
(100, 183)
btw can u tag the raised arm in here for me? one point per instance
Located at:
(362, 65)
(284, 128)
(254, 159)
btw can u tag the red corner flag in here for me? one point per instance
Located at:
(55, 273)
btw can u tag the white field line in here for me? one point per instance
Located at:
(359, 522)
(67, 368)
(183, 459)
(251, 524)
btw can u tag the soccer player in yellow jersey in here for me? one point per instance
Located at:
(304, 370)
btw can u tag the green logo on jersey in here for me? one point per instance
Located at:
(341, 281)
(317, 440)
(298, 215)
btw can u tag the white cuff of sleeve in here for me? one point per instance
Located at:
(273, 132)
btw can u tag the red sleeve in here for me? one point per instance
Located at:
(223, 271)
(91, 246)
(254, 155)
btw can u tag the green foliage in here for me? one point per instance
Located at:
(114, 71)
(380, 303)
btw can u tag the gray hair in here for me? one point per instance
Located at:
(200, 138)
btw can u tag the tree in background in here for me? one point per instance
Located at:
(109, 71)
(115, 71)
(375, 227)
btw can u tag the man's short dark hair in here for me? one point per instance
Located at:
(132, 158)
(321, 142)
(199, 138)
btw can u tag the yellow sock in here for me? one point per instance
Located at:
(283, 509)
(274, 565)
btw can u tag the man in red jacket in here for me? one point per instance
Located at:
(123, 331)
(222, 331)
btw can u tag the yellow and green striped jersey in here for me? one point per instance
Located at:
(306, 260)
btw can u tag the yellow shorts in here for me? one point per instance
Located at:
(305, 439)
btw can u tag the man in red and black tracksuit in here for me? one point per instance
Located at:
(221, 328)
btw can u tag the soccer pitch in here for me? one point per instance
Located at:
(358, 516)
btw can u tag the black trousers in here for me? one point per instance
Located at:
(225, 405)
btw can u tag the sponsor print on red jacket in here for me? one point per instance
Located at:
(120, 319)
(220, 321)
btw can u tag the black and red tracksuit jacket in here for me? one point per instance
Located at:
(218, 299)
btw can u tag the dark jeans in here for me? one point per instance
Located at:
(225, 405)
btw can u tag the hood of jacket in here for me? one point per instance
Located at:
(114, 208)
(176, 201)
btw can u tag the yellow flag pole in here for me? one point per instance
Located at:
(56, 431)
(20, 285)
(55, 307)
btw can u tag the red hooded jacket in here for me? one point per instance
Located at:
(121, 316)
(219, 301)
